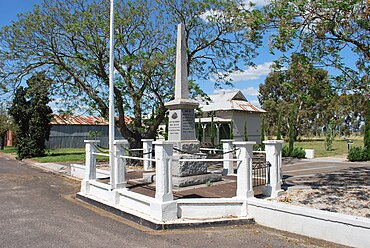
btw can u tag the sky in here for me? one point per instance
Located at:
(247, 81)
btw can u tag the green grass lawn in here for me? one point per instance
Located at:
(67, 155)
(59, 155)
(339, 146)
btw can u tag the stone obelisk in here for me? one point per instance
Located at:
(181, 126)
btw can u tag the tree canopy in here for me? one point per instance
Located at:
(323, 30)
(68, 40)
(5, 124)
(32, 116)
(300, 85)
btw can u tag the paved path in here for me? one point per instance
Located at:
(38, 209)
(298, 172)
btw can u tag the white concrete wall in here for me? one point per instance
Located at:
(78, 171)
(334, 227)
(210, 208)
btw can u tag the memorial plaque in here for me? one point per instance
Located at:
(181, 125)
(188, 124)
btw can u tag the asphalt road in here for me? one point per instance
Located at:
(38, 209)
(325, 170)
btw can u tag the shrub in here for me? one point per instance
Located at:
(297, 152)
(358, 154)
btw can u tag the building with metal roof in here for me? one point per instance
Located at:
(230, 108)
(69, 131)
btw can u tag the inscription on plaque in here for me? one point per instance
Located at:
(181, 125)
(188, 125)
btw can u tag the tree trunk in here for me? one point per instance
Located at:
(2, 141)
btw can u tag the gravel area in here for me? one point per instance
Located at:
(352, 201)
(346, 191)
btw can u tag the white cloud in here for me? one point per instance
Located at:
(258, 3)
(255, 103)
(210, 15)
(250, 91)
(250, 73)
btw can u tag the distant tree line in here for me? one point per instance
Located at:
(316, 101)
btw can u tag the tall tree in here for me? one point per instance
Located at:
(325, 30)
(5, 125)
(291, 130)
(262, 132)
(302, 85)
(278, 134)
(245, 131)
(367, 130)
(69, 38)
(212, 131)
(32, 117)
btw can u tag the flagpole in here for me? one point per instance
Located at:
(111, 91)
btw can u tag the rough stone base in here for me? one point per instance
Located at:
(189, 168)
(194, 180)
(190, 146)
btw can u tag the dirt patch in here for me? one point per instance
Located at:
(345, 191)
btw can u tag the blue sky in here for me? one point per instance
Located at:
(247, 81)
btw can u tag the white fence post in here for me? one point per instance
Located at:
(90, 165)
(118, 173)
(147, 153)
(244, 183)
(273, 150)
(164, 208)
(227, 146)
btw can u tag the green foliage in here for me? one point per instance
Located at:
(245, 131)
(367, 130)
(70, 39)
(209, 183)
(212, 131)
(95, 134)
(278, 134)
(329, 135)
(32, 117)
(5, 125)
(302, 85)
(296, 152)
(291, 130)
(324, 29)
(262, 134)
(358, 154)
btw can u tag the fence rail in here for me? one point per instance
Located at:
(138, 158)
(101, 154)
(208, 160)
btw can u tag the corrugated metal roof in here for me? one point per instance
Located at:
(234, 100)
(81, 120)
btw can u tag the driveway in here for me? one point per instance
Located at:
(38, 209)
